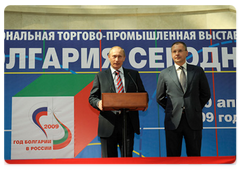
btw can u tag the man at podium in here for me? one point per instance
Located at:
(115, 79)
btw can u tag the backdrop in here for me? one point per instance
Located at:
(49, 74)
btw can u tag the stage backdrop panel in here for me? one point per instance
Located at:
(48, 75)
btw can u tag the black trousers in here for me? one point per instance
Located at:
(110, 144)
(192, 138)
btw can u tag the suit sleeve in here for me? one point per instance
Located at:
(161, 91)
(205, 93)
(95, 94)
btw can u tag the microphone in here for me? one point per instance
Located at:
(133, 81)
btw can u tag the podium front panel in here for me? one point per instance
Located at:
(130, 101)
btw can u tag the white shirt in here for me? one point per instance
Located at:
(179, 70)
(113, 71)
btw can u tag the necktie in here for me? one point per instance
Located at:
(119, 82)
(182, 78)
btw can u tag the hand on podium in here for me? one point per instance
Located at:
(99, 105)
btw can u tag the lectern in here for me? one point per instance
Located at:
(124, 102)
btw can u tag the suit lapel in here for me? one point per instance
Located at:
(110, 80)
(190, 75)
(126, 78)
(174, 77)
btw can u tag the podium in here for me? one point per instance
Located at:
(124, 102)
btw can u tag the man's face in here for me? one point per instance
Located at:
(179, 54)
(116, 58)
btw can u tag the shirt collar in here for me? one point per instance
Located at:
(113, 70)
(184, 66)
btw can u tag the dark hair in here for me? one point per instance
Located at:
(180, 42)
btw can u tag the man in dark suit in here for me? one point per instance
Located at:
(183, 90)
(110, 122)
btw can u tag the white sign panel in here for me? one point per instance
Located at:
(42, 127)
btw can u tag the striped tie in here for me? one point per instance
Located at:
(119, 82)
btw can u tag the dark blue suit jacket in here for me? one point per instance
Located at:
(103, 83)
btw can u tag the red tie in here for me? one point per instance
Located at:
(119, 83)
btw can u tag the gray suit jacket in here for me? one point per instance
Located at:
(103, 83)
(172, 98)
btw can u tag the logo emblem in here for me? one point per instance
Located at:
(57, 144)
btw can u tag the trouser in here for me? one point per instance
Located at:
(110, 144)
(193, 139)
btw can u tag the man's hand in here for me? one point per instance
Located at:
(100, 105)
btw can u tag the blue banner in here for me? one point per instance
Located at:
(33, 55)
